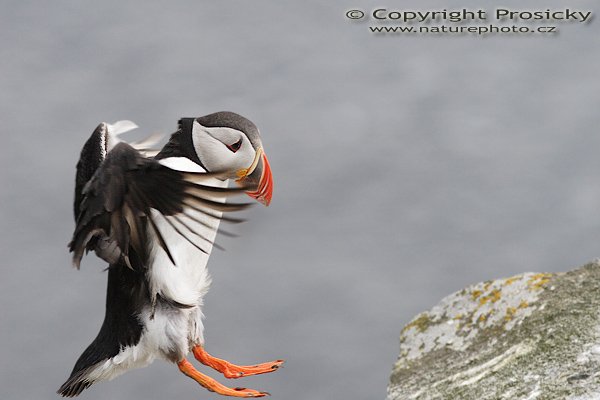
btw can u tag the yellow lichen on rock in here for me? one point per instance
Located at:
(523, 304)
(421, 323)
(537, 281)
(475, 294)
(453, 323)
(510, 312)
(492, 297)
(511, 280)
(531, 336)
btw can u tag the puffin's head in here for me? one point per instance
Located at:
(229, 144)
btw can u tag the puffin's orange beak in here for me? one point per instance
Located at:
(265, 186)
(260, 176)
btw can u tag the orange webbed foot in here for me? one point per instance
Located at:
(233, 371)
(212, 385)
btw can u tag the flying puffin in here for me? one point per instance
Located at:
(153, 218)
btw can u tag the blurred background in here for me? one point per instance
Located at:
(406, 167)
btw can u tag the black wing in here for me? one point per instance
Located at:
(92, 155)
(116, 204)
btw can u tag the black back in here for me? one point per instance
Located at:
(181, 144)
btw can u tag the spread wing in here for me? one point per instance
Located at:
(114, 210)
(94, 151)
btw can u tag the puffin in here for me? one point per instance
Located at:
(153, 217)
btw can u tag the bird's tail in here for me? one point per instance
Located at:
(77, 383)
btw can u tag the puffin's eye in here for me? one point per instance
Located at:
(234, 147)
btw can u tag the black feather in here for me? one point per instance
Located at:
(196, 233)
(176, 229)
(161, 239)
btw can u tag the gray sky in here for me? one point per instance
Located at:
(405, 167)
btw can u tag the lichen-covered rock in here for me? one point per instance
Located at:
(532, 336)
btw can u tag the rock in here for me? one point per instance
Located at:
(532, 336)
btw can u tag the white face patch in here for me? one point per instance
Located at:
(211, 144)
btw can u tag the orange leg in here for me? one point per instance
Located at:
(230, 370)
(209, 383)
